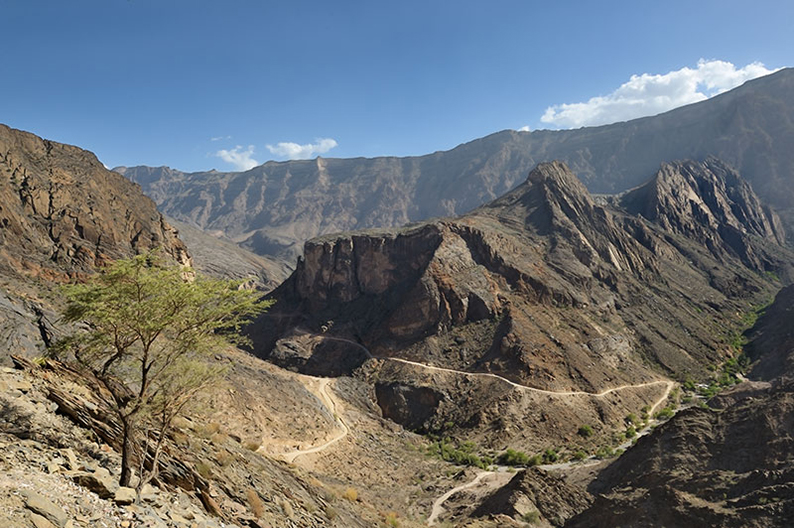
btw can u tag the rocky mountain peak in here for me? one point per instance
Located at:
(62, 210)
(709, 202)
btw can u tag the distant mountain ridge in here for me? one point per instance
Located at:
(272, 209)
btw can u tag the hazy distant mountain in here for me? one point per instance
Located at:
(273, 208)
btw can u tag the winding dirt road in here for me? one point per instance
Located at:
(328, 399)
(438, 508)
(668, 383)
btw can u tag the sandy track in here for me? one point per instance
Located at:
(329, 400)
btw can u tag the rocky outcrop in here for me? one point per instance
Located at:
(272, 209)
(62, 212)
(534, 490)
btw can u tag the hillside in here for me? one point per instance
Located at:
(728, 464)
(272, 209)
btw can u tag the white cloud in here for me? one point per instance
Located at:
(295, 151)
(525, 128)
(218, 138)
(648, 94)
(241, 159)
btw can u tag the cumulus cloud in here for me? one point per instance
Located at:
(525, 128)
(649, 94)
(296, 151)
(242, 159)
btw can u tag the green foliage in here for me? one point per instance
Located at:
(550, 456)
(463, 454)
(579, 455)
(585, 431)
(665, 414)
(631, 432)
(531, 517)
(512, 457)
(151, 329)
(605, 452)
(632, 419)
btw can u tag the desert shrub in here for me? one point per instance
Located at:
(463, 455)
(331, 513)
(665, 414)
(219, 438)
(257, 506)
(286, 507)
(531, 517)
(631, 432)
(579, 455)
(203, 469)
(512, 457)
(391, 519)
(224, 458)
(550, 456)
(605, 452)
(350, 494)
(585, 431)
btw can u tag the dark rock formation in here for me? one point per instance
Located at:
(274, 208)
(710, 204)
(534, 490)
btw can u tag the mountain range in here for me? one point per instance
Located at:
(273, 208)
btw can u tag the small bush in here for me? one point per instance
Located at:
(585, 431)
(550, 456)
(605, 452)
(665, 414)
(257, 506)
(203, 469)
(331, 513)
(579, 455)
(532, 517)
(350, 494)
(224, 458)
(286, 507)
(391, 519)
(512, 457)
(631, 432)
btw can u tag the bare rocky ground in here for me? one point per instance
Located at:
(235, 440)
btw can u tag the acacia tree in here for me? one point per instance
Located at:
(151, 330)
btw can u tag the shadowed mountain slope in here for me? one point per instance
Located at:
(730, 465)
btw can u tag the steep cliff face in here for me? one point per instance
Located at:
(544, 286)
(63, 212)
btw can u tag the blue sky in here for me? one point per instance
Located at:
(198, 84)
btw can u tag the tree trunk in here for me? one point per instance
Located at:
(127, 453)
